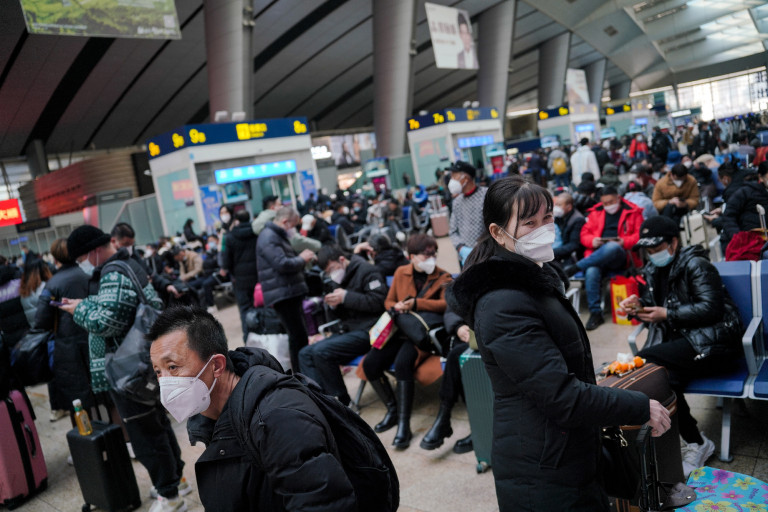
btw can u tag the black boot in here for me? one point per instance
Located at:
(404, 405)
(440, 429)
(383, 388)
(463, 445)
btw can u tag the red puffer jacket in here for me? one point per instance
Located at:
(629, 228)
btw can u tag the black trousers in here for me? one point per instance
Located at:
(244, 297)
(678, 357)
(676, 213)
(154, 443)
(291, 315)
(451, 388)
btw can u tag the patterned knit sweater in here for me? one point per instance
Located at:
(108, 316)
(467, 218)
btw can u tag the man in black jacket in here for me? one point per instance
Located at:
(694, 327)
(238, 259)
(570, 221)
(357, 302)
(386, 257)
(297, 467)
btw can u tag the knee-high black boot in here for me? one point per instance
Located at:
(383, 388)
(404, 406)
(440, 429)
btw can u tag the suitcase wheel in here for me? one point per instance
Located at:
(482, 467)
(86, 508)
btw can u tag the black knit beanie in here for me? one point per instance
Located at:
(85, 239)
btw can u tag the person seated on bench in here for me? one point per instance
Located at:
(570, 221)
(358, 302)
(418, 297)
(694, 328)
(451, 387)
(612, 228)
(211, 268)
(676, 193)
(386, 257)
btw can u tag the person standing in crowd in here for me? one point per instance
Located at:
(107, 316)
(611, 230)
(299, 467)
(704, 142)
(189, 233)
(270, 205)
(583, 160)
(548, 411)
(557, 163)
(71, 376)
(13, 321)
(317, 229)
(238, 260)
(694, 328)
(226, 216)
(36, 274)
(676, 193)
(358, 301)
(465, 227)
(570, 220)
(281, 274)
(638, 148)
(661, 144)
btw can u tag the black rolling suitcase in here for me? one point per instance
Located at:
(104, 468)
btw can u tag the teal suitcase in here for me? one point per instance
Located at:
(479, 398)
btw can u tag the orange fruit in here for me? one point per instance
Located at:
(638, 362)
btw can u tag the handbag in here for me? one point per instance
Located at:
(129, 369)
(416, 329)
(30, 357)
(619, 474)
(382, 330)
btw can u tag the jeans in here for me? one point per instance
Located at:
(563, 180)
(244, 298)
(606, 258)
(198, 286)
(154, 443)
(321, 361)
(291, 314)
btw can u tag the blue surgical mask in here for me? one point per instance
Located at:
(661, 258)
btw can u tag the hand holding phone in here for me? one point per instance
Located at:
(56, 303)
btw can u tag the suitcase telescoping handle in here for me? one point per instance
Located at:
(31, 437)
(650, 500)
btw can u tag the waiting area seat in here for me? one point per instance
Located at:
(759, 387)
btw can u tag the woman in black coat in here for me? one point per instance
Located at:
(547, 409)
(740, 213)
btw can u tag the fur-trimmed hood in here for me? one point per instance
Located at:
(504, 270)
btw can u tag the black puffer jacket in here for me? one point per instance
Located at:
(570, 233)
(740, 211)
(366, 290)
(239, 256)
(698, 306)
(388, 260)
(547, 409)
(13, 321)
(290, 434)
(71, 374)
(281, 270)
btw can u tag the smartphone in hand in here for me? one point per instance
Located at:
(56, 303)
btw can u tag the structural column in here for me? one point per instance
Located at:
(620, 91)
(393, 26)
(228, 25)
(595, 79)
(494, 52)
(553, 63)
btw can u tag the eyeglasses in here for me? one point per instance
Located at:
(429, 253)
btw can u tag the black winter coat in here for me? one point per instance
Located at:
(239, 256)
(698, 306)
(290, 434)
(570, 233)
(388, 260)
(366, 290)
(281, 270)
(13, 321)
(740, 211)
(71, 373)
(547, 409)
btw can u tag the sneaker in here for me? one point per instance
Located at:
(595, 321)
(571, 270)
(695, 455)
(130, 450)
(211, 309)
(176, 504)
(184, 489)
(57, 414)
(70, 461)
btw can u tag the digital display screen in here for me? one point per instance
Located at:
(253, 172)
(640, 121)
(584, 128)
(142, 19)
(550, 141)
(472, 142)
(10, 212)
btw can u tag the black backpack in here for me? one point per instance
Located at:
(365, 460)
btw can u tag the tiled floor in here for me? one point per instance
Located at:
(436, 480)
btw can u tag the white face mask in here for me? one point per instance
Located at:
(610, 210)
(428, 265)
(87, 267)
(536, 245)
(687, 164)
(454, 187)
(148, 253)
(225, 218)
(557, 211)
(337, 276)
(345, 210)
(184, 397)
(678, 183)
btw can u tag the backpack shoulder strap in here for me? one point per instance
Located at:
(125, 269)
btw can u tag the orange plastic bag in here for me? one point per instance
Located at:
(621, 288)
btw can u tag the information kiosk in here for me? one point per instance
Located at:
(571, 124)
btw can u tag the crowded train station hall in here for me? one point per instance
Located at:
(380, 255)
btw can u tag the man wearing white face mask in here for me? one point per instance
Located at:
(358, 302)
(612, 228)
(107, 314)
(676, 193)
(466, 223)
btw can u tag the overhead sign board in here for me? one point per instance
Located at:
(10, 212)
(452, 115)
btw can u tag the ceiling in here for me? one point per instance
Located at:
(315, 58)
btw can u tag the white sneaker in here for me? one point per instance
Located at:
(695, 455)
(176, 504)
(70, 461)
(129, 446)
(57, 414)
(211, 309)
(184, 489)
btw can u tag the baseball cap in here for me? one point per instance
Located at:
(306, 222)
(656, 230)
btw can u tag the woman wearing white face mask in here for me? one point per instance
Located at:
(418, 288)
(547, 409)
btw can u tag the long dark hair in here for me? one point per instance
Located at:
(499, 205)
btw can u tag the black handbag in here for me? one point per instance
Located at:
(619, 472)
(30, 358)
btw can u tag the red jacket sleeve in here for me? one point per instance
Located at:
(631, 234)
(591, 229)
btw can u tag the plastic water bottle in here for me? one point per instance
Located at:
(82, 419)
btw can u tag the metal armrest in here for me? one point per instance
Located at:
(632, 339)
(433, 337)
(327, 327)
(747, 344)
